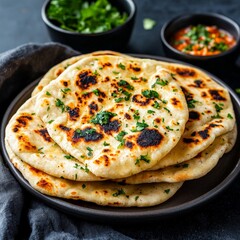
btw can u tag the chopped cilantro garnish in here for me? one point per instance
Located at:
(124, 83)
(150, 111)
(96, 92)
(136, 198)
(148, 23)
(89, 151)
(50, 121)
(103, 117)
(156, 105)
(120, 65)
(65, 90)
(119, 192)
(106, 144)
(119, 138)
(83, 186)
(218, 108)
(136, 115)
(68, 156)
(142, 158)
(230, 116)
(167, 191)
(161, 82)
(150, 94)
(85, 16)
(168, 128)
(134, 78)
(48, 93)
(115, 72)
(85, 168)
(40, 150)
(167, 110)
(60, 104)
(140, 126)
(191, 103)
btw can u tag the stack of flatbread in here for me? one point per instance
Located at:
(120, 131)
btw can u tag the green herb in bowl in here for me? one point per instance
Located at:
(85, 16)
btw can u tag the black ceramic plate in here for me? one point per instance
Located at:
(192, 194)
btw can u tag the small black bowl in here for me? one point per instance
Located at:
(115, 39)
(210, 19)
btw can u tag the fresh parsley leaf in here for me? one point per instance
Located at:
(120, 137)
(156, 105)
(68, 156)
(65, 90)
(142, 158)
(161, 82)
(191, 103)
(120, 65)
(89, 151)
(103, 117)
(96, 92)
(85, 16)
(60, 104)
(148, 23)
(119, 192)
(150, 94)
(140, 126)
(106, 144)
(125, 84)
(230, 116)
(136, 115)
(150, 111)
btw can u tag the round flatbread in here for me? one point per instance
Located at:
(101, 193)
(118, 116)
(195, 168)
(29, 140)
(56, 70)
(211, 113)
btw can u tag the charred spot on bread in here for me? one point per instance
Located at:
(217, 94)
(149, 137)
(73, 113)
(22, 122)
(193, 115)
(112, 126)
(185, 72)
(44, 134)
(198, 83)
(85, 79)
(88, 134)
(140, 100)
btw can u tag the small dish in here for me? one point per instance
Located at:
(115, 39)
(208, 19)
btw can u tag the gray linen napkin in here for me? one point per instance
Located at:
(21, 215)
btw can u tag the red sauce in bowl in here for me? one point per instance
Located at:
(201, 40)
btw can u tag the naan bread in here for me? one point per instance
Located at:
(118, 116)
(210, 111)
(195, 168)
(56, 70)
(29, 140)
(101, 193)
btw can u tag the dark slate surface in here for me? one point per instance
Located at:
(219, 219)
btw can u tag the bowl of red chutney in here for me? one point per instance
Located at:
(206, 39)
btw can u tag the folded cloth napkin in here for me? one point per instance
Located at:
(21, 215)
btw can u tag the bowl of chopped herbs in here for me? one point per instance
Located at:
(205, 39)
(88, 25)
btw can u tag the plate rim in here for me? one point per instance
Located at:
(115, 214)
